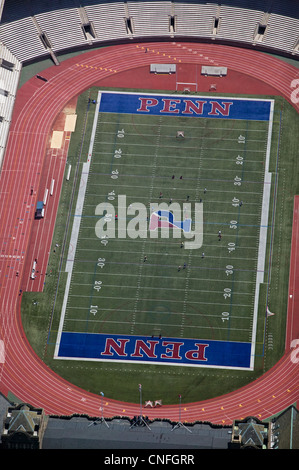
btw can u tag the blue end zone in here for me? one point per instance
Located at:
(191, 352)
(191, 106)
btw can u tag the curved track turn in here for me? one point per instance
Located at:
(22, 372)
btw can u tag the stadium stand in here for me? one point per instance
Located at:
(195, 19)
(35, 30)
(59, 35)
(238, 23)
(150, 18)
(10, 69)
(282, 32)
(21, 38)
(53, 27)
(108, 20)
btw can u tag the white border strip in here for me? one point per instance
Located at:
(263, 235)
(151, 363)
(76, 224)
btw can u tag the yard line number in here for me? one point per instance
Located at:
(93, 309)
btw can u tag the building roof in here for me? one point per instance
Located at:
(22, 419)
(82, 433)
(252, 431)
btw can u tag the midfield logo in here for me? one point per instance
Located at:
(134, 221)
(161, 219)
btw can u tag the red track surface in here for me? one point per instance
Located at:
(37, 106)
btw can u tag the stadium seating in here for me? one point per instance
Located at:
(55, 26)
(239, 23)
(21, 38)
(150, 18)
(10, 69)
(62, 27)
(195, 19)
(108, 19)
(66, 24)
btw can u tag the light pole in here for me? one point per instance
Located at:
(179, 423)
(140, 396)
(140, 420)
(102, 408)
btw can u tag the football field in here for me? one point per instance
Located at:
(169, 237)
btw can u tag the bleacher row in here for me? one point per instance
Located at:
(33, 29)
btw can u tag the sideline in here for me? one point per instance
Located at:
(263, 235)
(76, 226)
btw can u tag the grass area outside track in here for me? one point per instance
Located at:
(202, 313)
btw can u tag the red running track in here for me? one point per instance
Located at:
(37, 106)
